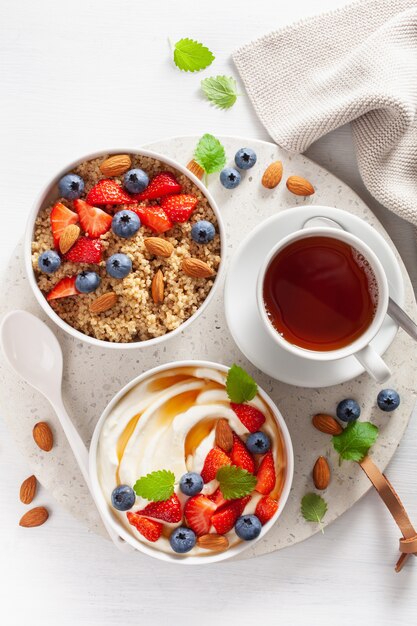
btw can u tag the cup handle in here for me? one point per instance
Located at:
(373, 364)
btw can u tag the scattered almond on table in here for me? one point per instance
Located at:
(299, 186)
(272, 175)
(28, 489)
(43, 437)
(327, 424)
(195, 169)
(34, 517)
(321, 473)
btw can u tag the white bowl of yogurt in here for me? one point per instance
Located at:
(165, 419)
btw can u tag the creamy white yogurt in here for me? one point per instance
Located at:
(153, 427)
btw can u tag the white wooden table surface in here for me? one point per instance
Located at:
(88, 74)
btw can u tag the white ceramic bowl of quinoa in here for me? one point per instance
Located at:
(148, 326)
(122, 446)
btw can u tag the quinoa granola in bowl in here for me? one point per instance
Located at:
(124, 249)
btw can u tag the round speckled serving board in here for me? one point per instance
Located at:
(92, 375)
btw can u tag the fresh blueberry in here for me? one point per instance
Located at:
(258, 443)
(248, 527)
(87, 282)
(71, 186)
(191, 483)
(125, 224)
(203, 232)
(135, 181)
(348, 410)
(123, 498)
(182, 540)
(49, 261)
(388, 400)
(245, 158)
(118, 265)
(229, 178)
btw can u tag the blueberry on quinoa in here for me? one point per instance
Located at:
(125, 224)
(119, 265)
(135, 181)
(49, 261)
(87, 282)
(203, 232)
(71, 186)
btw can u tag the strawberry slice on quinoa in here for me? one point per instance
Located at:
(94, 221)
(65, 287)
(163, 184)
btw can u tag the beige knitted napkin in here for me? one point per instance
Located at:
(357, 64)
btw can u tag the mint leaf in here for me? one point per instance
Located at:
(356, 439)
(191, 56)
(240, 386)
(210, 154)
(220, 90)
(313, 508)
(235, 482)
(156, 486)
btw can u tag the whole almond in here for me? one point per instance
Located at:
(116, 165)
(196, 268)
(158, 287)
(159, 246)
(327, 424)
(223, 435)
(300, 186)
(272, 175)
(69, 237)
(196, 169)
(321, 473)
(213, 542)
(34, 517)
(103, 303)
(28, 489)
(43, 437)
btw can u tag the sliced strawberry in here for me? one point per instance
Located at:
(215, 459)
(162, 184)
(198, 512)
(150, 529)
(85, 250)
(250, 416)
(61, 217)
(94, 221)
(217, 498)
(241, 456)
(153, 217)
(65, 287)
(179, 208)
(224, 519)
(265, 509)
(266, 475)
(167, 510)
(107, 191)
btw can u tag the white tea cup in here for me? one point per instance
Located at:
(361, 347)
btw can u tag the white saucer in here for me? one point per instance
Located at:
(242, 312)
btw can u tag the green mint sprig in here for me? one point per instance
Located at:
(313, 508)
(156, 486)
(191, 55)
(235, 482)
(354, 442)
(220, 90)
(210, 154)
(240, 386)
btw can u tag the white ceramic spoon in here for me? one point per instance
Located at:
(34, 353)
